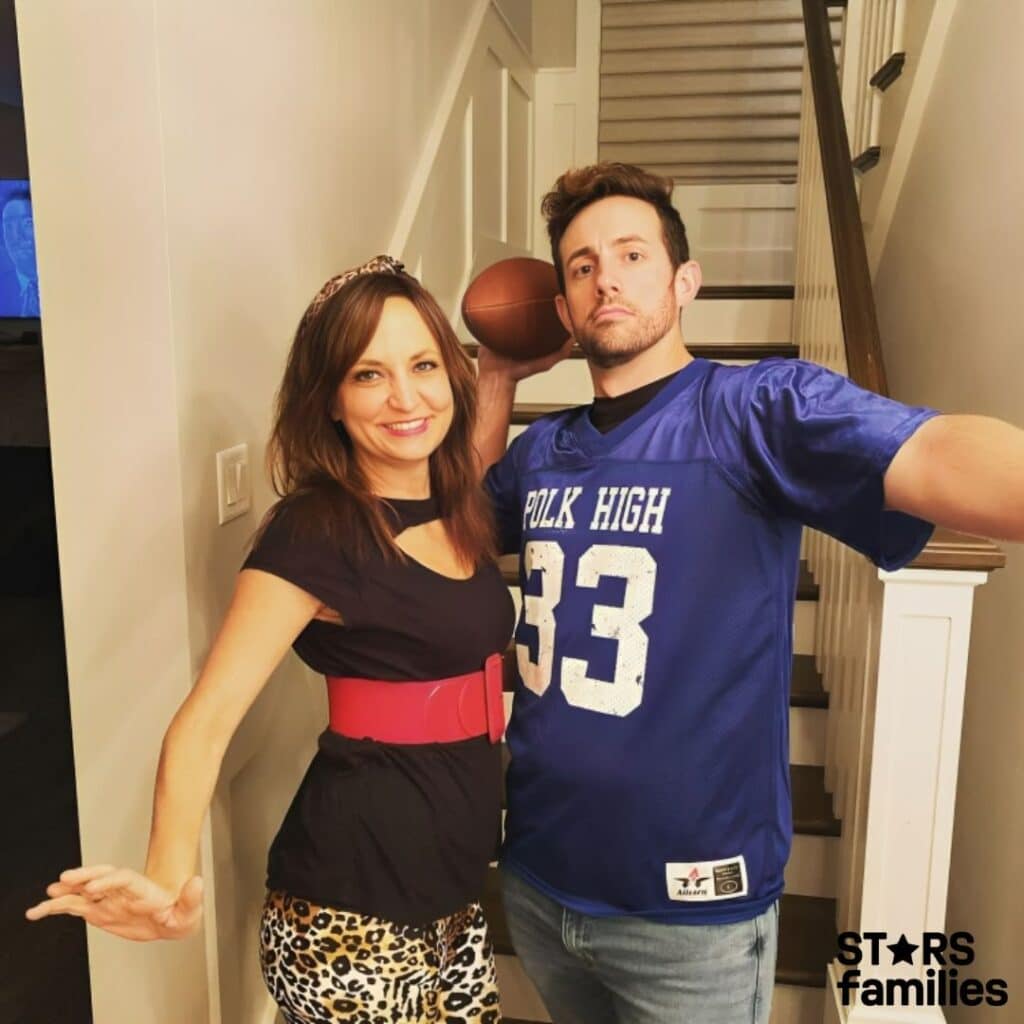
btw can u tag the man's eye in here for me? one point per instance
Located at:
(582, 269)
(633, 256)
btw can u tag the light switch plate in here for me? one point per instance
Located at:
(234, 493)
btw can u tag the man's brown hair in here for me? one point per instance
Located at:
(311, 457)
(579, 187)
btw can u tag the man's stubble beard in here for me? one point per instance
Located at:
(623, 340)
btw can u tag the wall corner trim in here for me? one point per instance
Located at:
(421, 176)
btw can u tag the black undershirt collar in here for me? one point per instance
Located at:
(607, 413)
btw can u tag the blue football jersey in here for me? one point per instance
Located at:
(649, 735)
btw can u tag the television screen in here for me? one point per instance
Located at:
(19, 283)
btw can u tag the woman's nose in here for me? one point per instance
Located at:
(403, 393)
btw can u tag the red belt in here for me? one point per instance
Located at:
(438, 711)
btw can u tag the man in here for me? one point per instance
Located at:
(19, 287)
(649, 819)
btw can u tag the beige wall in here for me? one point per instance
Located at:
(519, 14)
(554, 33)
(949, 294)
(198, 169)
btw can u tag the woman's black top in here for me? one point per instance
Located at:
(403, 832)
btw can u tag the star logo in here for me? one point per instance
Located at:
(694, 879)
(902, 951)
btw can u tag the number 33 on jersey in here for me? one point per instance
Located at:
(622, 624)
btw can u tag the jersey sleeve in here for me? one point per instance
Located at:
(288, 549)
(810, 445)
(502, 486)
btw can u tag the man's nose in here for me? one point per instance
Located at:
(606, 282)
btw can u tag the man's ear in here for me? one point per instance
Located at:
(562, 308)
(687, 282)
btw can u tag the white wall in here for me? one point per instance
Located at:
(198, 170)
(949, 296)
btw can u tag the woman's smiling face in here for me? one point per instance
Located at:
(396, 402)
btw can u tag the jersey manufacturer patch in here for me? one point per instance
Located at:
(707, 880)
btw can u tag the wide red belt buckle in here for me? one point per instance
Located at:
(494, 701)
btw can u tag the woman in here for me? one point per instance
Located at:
(377, 566)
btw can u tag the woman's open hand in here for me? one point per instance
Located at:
(124, 902)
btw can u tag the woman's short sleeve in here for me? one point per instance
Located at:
(290, 549)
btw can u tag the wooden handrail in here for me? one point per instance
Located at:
(861, 338)
(856, 300)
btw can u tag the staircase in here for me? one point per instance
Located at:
(730, 324)
(704, 91)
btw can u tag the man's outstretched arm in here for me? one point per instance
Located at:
(962, 472)
(496, 392)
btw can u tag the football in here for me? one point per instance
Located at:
(510, 308)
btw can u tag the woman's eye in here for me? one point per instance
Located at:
(633, 256)
(363, 376)
(426, 364)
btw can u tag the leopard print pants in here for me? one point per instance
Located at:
(328, 966)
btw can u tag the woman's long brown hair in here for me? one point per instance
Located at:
(311, 458)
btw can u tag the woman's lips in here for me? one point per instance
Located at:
(407, 428)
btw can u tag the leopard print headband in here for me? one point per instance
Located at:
(378, 265)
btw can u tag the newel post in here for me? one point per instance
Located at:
(922, 668)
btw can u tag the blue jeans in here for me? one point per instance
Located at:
(628, 970)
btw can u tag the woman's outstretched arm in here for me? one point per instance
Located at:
(164, 901)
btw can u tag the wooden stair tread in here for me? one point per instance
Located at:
(529, 412)
(806, 588)
(807, 934)
(746, 291)
(807, 940)
(805, 688)
(812, 803)
(705, 350)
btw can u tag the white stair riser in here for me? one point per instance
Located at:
(806, 733)
(795, 1004)
(518, 996)
(733, 320)
(813, 866)
(805, 617)
(791, 1004)
(810, 871)
(568, 383)
(738, 320)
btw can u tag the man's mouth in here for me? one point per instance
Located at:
(611, 313)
